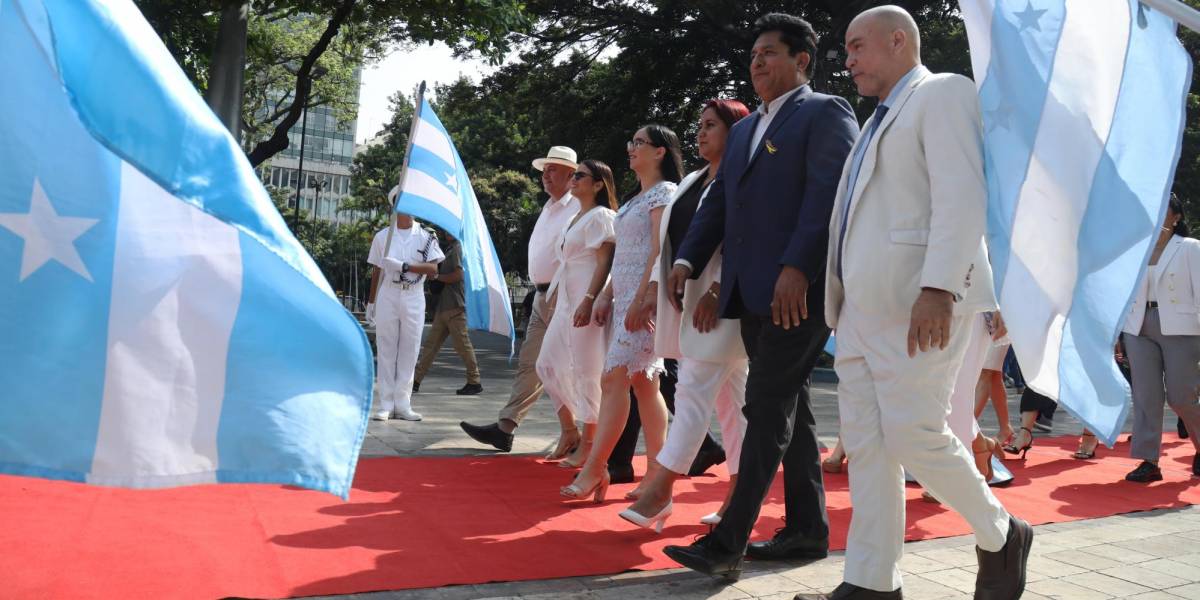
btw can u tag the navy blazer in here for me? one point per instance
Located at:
(772, 208)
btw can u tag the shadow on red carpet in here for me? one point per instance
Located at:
(429, 522)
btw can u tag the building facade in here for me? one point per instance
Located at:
(328, 154)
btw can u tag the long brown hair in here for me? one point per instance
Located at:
(603, 173)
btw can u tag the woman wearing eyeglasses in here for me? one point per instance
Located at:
(712, 357)
(629, 301)
(572, 356)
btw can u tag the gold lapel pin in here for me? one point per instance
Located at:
(771, 147)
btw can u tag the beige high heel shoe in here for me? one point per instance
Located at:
(597, 492)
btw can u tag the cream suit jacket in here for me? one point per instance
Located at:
(917, 213)
(674, 336)
(1177, 287)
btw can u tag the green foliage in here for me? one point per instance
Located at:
(376, 170)
(509, 200)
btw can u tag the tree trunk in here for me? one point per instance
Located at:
(227, 75)
(278, 142)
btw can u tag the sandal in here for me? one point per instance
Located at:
(1081, 454)
(1012, 447)
(562, 450)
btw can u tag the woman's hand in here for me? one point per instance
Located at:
(704, 319)
(602, 310)
(583, 314)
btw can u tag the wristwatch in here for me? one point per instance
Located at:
(404, 267)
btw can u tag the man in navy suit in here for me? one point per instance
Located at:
(770, 205)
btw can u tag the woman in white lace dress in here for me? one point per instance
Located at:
(629, 302)
(573, 351)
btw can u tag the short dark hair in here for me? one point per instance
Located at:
(797, 33)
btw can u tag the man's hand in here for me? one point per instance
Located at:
(675, 282)
(602, 310)
(370, 315)
(790, 304)
(930, 325)
(704, 319)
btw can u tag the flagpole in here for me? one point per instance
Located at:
(1182, 13)
(412, 130)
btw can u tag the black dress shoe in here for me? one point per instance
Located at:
(1146, 472)
(489, 434)
(1196, 465)
(620, 473)
(847, 591)
(788, 545)
(469, 390)
(416, 386)
(706, 459)
(1181, 429)
(1002, 573)
(707, 556)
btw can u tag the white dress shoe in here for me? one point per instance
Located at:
(710, 519)
(407, 415)
(381, 415)
(657, 521)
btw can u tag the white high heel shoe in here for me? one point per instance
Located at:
(658, 521)
(710, 519)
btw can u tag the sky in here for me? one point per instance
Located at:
(404, 70)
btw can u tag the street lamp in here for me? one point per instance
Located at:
(317, 73)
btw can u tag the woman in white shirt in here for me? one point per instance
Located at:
(572, 357)
(1162, 341)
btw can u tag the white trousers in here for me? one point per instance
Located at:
(702, 386)
(893, 412)
(399, 319)
(962, 401)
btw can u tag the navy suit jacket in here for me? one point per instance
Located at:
(772, 208)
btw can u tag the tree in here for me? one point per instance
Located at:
(289, 42)
(377, 169)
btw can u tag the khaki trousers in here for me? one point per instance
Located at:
(527, 388)
(450, 323)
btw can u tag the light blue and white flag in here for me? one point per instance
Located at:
(159, 325)
(1083, 110)
(438, 189)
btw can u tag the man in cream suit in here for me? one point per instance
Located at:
(907, 270)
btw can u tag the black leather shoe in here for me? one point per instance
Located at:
(620, 473)
(788, 545)
(469, 390)
(1181, 429)
(1002, 573)
(1147, 472)
(706, 459)
(847, 591)
(707, 556)
(416, 386)
(489, 434)
(1196, 465)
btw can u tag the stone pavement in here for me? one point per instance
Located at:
(1149, 555)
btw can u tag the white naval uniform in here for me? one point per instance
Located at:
(400, 314)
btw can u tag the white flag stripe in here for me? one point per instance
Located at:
(165, 375)
(429, 137)
(1042, 274)
(977, 15)
(499, 302)
(421, 184)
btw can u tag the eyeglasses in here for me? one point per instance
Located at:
(577, 175)
(636, 143)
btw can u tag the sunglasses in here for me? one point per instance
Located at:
(577, 175)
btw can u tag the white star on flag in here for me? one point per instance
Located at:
(46, 235)
(452, 182)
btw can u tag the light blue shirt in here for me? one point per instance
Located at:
(861, 151)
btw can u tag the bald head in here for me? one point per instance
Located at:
(882, 45)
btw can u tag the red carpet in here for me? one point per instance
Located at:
(426, 522)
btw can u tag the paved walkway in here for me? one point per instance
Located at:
(1149, 555)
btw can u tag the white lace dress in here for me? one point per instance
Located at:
(634, 350)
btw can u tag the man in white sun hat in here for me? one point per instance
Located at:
(557, 168)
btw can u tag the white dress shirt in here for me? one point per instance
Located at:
(766, 114)
(556, 214)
